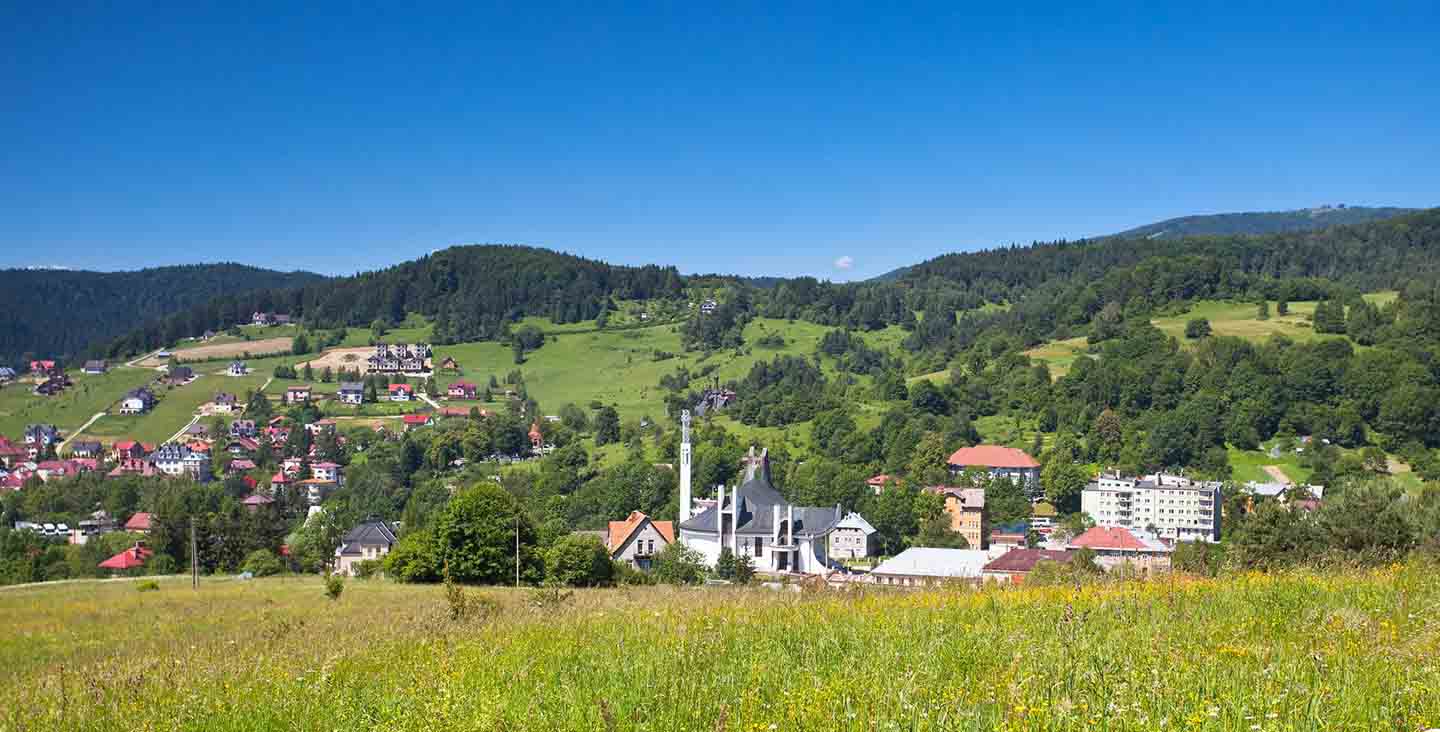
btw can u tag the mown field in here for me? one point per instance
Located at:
(1357, 650)
(19, 406)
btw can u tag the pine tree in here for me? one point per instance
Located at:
(1262, 311)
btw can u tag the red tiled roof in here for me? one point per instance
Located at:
(401, 387)
(255, 499)
(139, 522)
(620, 531)
(1102, 537)
(416, 418)
(1024, 560)
(878, 479)
(125, 445)
(992, 456)
(133, 557)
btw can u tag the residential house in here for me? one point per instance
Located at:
(237, 368)
(638, 538)
(177, 375)
(277, 434)
(401, 392)
(99, 522)
(132, 558)
(94, 367)
(278, 481)
(239, 466)
(351, 392)
(328, 472)
(417, 420)
(87, 449)
(1013, 566)
(11, 454)
(7, 375)
(265, 319)
(714, 400)
(929, 566)
(1043, 517)
(226, 403)
(242, 428)
(450, 364)
(297, 394)
(966, 508)
(137, 401)
(45, 368)
(321, 426)
(255, 501)
(196, 431)
(708, 306)
(853, 538)
(129, 449)
(1114, 546)
(876, 483)
(178, 460)
(39, 438)
(54, 469)
(755, 521)
(1010, 536)
(140, 522)
(462, 390)
(1171, 506)
(369, 541)
(242, 447)
(999, 462)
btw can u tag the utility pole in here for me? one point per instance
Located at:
(517, 550)
(194, 558)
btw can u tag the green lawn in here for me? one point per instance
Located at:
(175, 408)
(20, 406)
(1249, 465)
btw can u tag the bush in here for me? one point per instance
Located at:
(413, 559)
(147, 586)
(162, 564)
(678, 564)
(577, 560)
(1197, 328)
(334, 585)
(366, 569)
(262, 563)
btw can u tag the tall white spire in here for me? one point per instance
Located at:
(685, 465)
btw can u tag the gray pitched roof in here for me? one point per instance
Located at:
(753, 503)
(369, 533)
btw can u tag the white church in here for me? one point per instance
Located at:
(754, 520)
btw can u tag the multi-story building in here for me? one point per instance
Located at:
(999, 462)
(966, 508)
(1170, 506)
(853, 538)
(399, 358)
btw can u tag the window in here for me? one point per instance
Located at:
(759, 547)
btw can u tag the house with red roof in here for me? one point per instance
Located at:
(417, 420)
(11, 454)
(876, 483)
(132, 558)
(1013, 566)
(1114, 545)
(637, 539)
(401, 392)
(537, 439)
(255, 501)
(55, 469)
(999, 462)
(236, 467)
(140, 522)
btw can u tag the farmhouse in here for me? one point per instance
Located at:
(87, 449)
(370, 540)
(401, 392)
(179, 375)
(754, 520)
(242, 447)
(94, 367)
(637, 539)
(417, 420)
(132, 558)
(266, 319)
(237, 368)
(450, 364)
(351, 392)
(852, 538)
(225, 402)
(52, 386)
(999, 462)
(129, 449)
(297, 394)
(462, 390)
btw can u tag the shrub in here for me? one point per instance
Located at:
(162, 564)
(147, 586)
(366, 569)
(413, 559)
(577, 560)
(334, 585)
(262, 563)
(678, 564)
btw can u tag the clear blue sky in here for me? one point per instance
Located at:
(754, 139)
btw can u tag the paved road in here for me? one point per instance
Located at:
(176, 437)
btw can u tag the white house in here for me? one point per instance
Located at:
(368, 541)
(852, 538)
(1171, 506)
(924, 566)
(328, 472)
(351, 392)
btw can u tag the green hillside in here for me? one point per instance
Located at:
(1263, 222)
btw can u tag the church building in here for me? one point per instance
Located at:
(755, 521)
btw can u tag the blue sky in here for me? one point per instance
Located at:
(756, 139)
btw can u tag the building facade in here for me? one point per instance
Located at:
(999, 462)
(637, 539)
(1171, 506)
(853, 538)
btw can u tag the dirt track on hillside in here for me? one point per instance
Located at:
(1279, 475)
(265, 347)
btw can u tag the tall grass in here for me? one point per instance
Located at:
(1354, 650)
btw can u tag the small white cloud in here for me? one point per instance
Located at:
(845, 262)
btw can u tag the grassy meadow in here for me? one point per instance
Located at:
(90, 395)
(1351, 650)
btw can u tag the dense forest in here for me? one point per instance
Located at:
(470, 292)
(61, 313)
(1264, 222)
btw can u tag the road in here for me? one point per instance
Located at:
(176, 437)
(428, 400)
(75, 433)
(132, 363)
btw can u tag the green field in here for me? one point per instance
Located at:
(1354, 650)
(175, 408)
(69, 410)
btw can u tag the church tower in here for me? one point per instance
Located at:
(685, 502)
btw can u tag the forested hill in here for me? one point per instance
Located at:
(1264, 222)
(470, 292)
(57, 313)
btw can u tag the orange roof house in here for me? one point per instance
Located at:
(139, 522)
(637, 539)
(999, 462)
(131, 558)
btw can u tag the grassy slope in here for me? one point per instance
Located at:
(1307, 651)
(19, 405)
